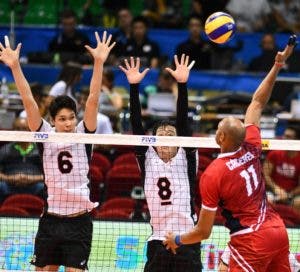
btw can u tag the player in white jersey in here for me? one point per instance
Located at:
(65, 229)
(168, 173)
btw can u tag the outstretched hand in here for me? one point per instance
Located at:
(182, 70)
(132, 70)
(282, 56)
(103, 47)
(7, 55)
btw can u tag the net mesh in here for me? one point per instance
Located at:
(121, 223)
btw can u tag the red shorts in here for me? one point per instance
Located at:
(264, 250)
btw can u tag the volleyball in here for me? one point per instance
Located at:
(220, 27)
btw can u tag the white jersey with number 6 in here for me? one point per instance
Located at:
(66, 169)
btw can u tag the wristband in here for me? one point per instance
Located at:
(279, 64)
(177, 240)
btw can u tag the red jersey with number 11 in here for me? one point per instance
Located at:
(234, 182)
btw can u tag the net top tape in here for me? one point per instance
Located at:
(133, 140)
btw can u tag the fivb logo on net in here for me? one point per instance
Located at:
(148, 139)
(40, 136)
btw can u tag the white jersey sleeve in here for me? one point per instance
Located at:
(59, 88)
(80, 127)
(23, 114)
(45, 127)
(103, 124)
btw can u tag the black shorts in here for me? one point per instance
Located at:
(186, 259)
(63, 241)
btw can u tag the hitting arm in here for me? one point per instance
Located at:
(262, 94)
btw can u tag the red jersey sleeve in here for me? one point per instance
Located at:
(253, 135)
(272, 156)
(209, 188)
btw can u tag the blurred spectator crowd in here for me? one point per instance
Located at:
(131, 20)
(265, 15)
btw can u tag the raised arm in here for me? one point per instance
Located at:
(11, 59)
(134, 77)
(99, 54)
(181, 74)
(262, 94)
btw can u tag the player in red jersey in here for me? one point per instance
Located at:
(282, 172)
(233, 181)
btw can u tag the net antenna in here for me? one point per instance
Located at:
(12, 36)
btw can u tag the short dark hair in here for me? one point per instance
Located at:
(68, 13)
(163, 123)
(109, 74)
(61, 102)
(140, 19)
(166, 75)
(196, 17)
(85, 92)
(295, 129)
(38, 90)
(69, 72)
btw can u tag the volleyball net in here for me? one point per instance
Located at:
(122, 220)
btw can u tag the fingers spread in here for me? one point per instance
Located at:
(138, 63)
(112, 45)
(132, 62)
(182, 59)
(127, 64)
(109, 39)
(145, 72)
(6, 41)
(191, 65)
(169, 70)
(176, 60)
(88, 48)
(186, 62)
(97, 37)
(123, 69)
(104, 37)
(19, 47)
